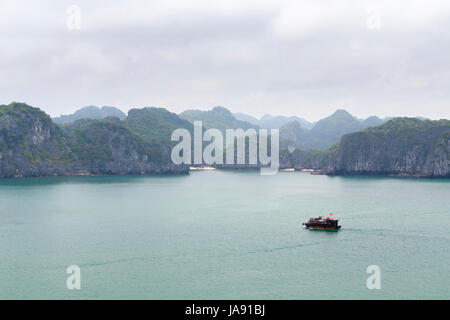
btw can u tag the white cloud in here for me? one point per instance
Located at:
(292, 57)
(303, 18)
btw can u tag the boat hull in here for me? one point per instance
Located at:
(323, 228)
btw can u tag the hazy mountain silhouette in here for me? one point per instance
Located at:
(91, 112)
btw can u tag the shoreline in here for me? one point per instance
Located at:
(205, 168)
(210, 168)
(97, 175)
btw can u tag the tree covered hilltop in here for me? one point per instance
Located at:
(32, 144)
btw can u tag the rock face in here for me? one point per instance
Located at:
(403, 146)
(106, 147)
(32, 145)
(311, 159)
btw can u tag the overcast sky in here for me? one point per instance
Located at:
(304, 58)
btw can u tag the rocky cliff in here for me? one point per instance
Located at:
(106, 147)
(32, 145)
(402, 146)
(310, 159)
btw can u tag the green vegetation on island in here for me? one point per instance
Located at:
(31, 144)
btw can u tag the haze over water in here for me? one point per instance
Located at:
(224, 235)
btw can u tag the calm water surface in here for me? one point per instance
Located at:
(224, 235)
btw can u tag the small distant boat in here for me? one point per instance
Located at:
(321, 223)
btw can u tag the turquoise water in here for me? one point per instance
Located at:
(224, 235)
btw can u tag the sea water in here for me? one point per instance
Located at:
(224, 235)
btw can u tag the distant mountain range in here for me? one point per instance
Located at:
(31, 144)
(91, 112)
(325, 132)
(273, 122)
(217, 118)
(295, 132)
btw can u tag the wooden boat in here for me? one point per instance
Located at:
(322, 224)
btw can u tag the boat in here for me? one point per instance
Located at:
(321, 223)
